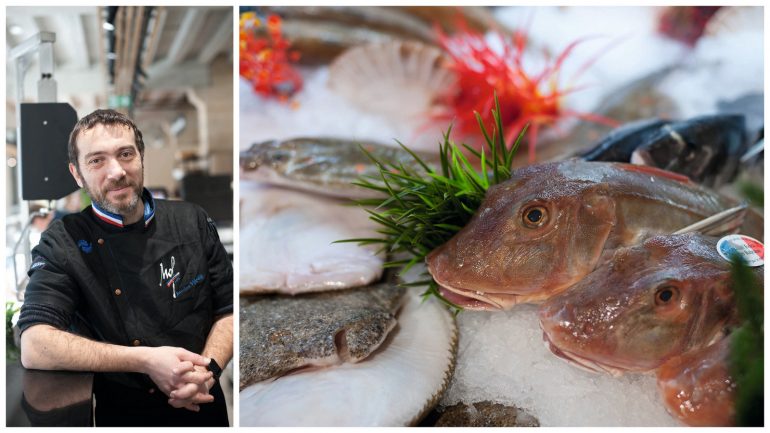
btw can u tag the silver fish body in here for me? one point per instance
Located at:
(324, 165)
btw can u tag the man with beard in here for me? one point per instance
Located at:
(135, 289)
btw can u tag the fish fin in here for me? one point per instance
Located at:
(655, 171)
(725, 222)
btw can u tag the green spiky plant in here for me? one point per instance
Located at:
(747, 347)
(747, 352)
(425, 208)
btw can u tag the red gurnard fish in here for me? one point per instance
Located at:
(665, 297)
(550, 225)
(698, 388)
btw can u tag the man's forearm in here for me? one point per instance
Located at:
(47, 348)
(44, 347)
(219, 343)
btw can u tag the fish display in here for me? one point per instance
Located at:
(698, 388)
(707, 149)
(321, 165)
(664, 297)
(288, 243)
(394, 386)
(280, 334)
(550, 225)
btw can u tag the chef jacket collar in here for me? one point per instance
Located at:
(117, 220)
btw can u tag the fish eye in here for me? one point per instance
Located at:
(279, 157)
(666, 294)
(534, 216)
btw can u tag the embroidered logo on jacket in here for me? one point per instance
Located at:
(192, 283)
(37, 265)
(85, 246)
(169, 277)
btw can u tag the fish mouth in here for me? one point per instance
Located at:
(467, 299)
(472, 300)
(581, 361)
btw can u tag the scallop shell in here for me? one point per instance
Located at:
(395, 386)
(399, 78)
(733, 19)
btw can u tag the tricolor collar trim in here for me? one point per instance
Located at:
(117, 220)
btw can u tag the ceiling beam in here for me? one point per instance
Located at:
(223, 38)
(136, 40)
(158, 23)
(185, 37)
(188, 74)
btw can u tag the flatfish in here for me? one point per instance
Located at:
(287, 243)
(395, 386)
(280, 334)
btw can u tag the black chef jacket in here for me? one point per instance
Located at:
(158, 282)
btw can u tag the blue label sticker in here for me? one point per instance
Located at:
(751, 250)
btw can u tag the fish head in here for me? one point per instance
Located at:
(274, 155)
(646, 304)
(532, 236)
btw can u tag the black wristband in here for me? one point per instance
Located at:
(215, 368)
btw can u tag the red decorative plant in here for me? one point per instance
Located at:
(266, 59)
(525, 98)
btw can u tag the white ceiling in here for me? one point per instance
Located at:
(177, 55)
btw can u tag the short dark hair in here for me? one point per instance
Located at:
(106, 118)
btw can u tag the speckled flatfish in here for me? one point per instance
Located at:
(394, 386)
(280, 334)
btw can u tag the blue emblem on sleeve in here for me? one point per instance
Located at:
(85, 246)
